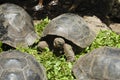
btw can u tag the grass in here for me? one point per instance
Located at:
(56, 67)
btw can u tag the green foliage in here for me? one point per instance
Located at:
(56, 67)
(105, 38)
(39, 27)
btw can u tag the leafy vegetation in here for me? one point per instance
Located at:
(39, 27)
(105, 38)
(58, 68)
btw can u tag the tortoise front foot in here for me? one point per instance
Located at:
(69, 53)
(42, 45)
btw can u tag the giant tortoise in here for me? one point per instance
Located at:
(16, 65)
(100, 64)
(16, 26)
(67, 32)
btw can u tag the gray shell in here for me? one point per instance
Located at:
(16, 65)
(71, 27)
(100, 64)
(16, 26)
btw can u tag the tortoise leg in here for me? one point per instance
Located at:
(69, 53)
(60, 43)
(42, 45)
(39, 6)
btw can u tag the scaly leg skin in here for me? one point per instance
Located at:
(42, 45)
(69, 53)
(39, 6)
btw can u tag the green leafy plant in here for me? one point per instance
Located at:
(56, 67)
(105, 38)
(39, 27)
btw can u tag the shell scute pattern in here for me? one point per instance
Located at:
(100, 64)
(15, 26)
(71, 27)
(16, 65)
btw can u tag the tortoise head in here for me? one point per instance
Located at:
(58, 42)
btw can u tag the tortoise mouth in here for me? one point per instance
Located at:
(50, 38)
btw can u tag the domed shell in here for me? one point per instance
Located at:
(100, 64)
(16, 26)
(16, 65)
(71, 27)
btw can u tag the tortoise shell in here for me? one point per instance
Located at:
(100, 64)
(71, 27)
(16, 65)
(16, 26)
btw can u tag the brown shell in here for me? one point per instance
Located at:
(71, 27)
(16, 26)
(16, 65)
(100, 64)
